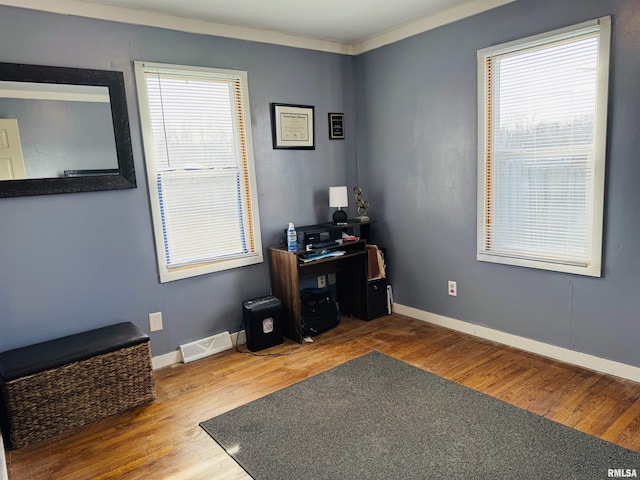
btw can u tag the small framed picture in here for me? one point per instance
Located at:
(336, 126)
(292, 126)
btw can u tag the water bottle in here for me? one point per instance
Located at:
(292, 238)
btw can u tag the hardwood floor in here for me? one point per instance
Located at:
(164, 441)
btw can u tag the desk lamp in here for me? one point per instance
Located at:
(338, 198)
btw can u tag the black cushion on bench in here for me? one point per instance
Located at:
(24, 361)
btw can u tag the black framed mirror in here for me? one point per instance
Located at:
(64, 130)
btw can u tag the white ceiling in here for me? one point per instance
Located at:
(344, 21)
(345, 26)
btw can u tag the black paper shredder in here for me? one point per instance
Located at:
(263, 322)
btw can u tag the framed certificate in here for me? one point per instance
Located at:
(292, 126)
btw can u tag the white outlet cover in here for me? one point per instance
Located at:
(155, 321)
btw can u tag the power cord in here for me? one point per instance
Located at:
(262, 354)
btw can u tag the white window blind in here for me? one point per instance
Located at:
(200, 168)
(542, 124)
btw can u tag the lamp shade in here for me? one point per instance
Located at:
(338, 197)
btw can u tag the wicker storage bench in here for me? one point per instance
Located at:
(51, 387)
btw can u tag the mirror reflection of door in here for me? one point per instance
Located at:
(11, 159)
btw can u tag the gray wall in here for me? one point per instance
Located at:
(77, 261)
(417, 137)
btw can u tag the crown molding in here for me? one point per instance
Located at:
(202, 27)
(427, 23)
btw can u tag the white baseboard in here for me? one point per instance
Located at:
(171, 358)
(551, 351)
(167, 359)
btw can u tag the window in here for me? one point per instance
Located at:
(542, 105)
(199, 157)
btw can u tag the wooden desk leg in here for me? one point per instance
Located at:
(284, 285)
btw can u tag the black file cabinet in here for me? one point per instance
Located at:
(376, 298)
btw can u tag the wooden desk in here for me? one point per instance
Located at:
(351, 281)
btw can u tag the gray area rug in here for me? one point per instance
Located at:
(375, 417)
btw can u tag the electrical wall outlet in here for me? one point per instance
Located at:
(453, 288)
(155, 321)
(322, 281)
(332, 278)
